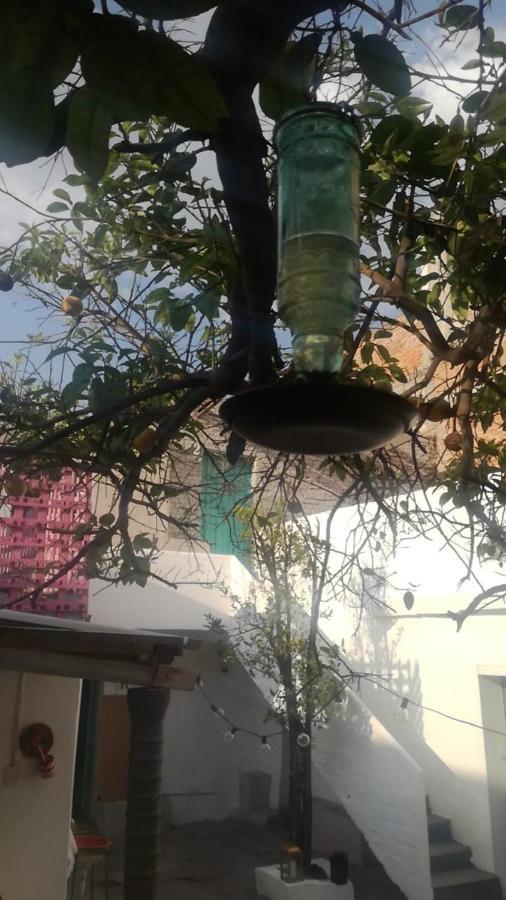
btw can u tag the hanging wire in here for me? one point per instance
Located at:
(404, 703)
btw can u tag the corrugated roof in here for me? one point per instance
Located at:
(11, 619)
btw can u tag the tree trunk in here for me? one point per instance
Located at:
(307, 809)
(296, 784)
(147, 707)
(300, 793)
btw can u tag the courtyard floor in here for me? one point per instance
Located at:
(215, 861)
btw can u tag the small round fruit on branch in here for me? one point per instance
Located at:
(14, 486)
(6, 281)
(72, 305)
(437, 410)
(454, 441)
(145, 441)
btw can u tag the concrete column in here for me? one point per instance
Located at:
(147, 707)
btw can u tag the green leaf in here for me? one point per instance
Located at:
(371, 108)
(286, 85)
(382, 63)
(493, 137)
(208, 303)
(107, 520)
(496, 49)
(180, 312)
(57, 207)
(100, 397)
(27, 116)
(72, 391)
(473, 102)
(129, 91)
(461, 17)
(423, 162)
(412, 107)
(471, 64)
(187, 88)
(88, 129)
(383, 191)
(394, 132)
(168, 9)
(56, 352)
(159, 295)
(76, 180)
(490, 47)
(495, 109)
(62, 194)
(44, 35)
(142, 542)
(165, 80)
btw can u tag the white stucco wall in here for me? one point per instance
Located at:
(202, 581)
(35, 812)
(359, 764)
(428, 661)
(493, 704)
(201, 772)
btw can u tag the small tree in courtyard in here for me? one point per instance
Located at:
(276, 636)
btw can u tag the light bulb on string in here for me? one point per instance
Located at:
(218, 711)
(264, 746)
(342, 702)
(199, 682)
(402, 713)
(303, 740)
(229, 736)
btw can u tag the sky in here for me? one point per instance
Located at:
(33, 184)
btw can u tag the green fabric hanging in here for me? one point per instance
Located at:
(225, 489)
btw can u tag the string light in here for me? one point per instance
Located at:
(402, 713)
(234, 729)
(437, 712)
(409, 700)
(303, 740)
(342, 702)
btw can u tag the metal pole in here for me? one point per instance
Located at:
(147, 707)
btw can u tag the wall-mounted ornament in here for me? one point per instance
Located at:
(35, 741)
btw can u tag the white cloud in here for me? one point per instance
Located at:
(31, 184)
(443, 60)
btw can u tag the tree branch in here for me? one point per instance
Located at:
(410, 305)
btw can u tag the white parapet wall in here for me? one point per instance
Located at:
(358, 764)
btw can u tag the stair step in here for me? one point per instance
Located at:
(440, 829)
(449, 855)
(466, 884)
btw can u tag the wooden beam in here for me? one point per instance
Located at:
(123, 672)
(94, 644)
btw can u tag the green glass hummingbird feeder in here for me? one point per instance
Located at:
(318, 298)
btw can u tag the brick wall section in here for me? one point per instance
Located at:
(37, 539)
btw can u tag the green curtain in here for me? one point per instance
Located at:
(225, 489)
(83, 802)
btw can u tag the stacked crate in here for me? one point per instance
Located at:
(37, 540)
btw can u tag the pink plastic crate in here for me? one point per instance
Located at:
(36, 540)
